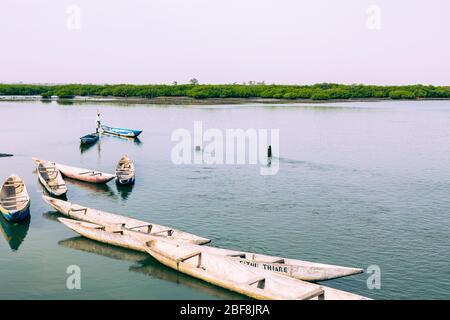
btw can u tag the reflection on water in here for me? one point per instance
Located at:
(64, 102)
(136, 140)
(124, 190)
(98, 188)
(13, 232)
(52, 215)
(145, 264)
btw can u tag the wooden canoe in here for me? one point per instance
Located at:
(215, 269)
(125, 171)
(50, 177)
(299, 269)
(14, 199)
(224, 271)
(89, 138)
(140, 230)
(86, 175)
(130, 133)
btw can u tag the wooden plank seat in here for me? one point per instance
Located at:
(77, 210)
(14, 201)
(149, 227)
(92, 173)
(18, 197)
(259, 281)
(169, 232)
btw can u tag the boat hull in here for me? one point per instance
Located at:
(136, 229)
(281, 287)
(59, 188)
(129, 133)
(16, 215)
(302, 270)
(14, 200)
(89, 139)
(86, 175)
(125, 182)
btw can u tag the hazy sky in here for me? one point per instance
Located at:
(225, 41)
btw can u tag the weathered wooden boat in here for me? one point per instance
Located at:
(14, 199)
(85, 175)
(125, 171)
(139, 229)
(50, 177)
(218, 270)
(121, 131)
(299, 269)
(89, 138)
(200, 262)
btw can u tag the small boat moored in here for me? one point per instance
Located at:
(14, 199)
(89, 138)
(120, 131)
(86, 175)
(50, 177)
(125, 171)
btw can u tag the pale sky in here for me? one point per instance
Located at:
(225, 41)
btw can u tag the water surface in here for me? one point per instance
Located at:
(359, 184)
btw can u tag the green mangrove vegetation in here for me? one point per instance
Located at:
(322, 91)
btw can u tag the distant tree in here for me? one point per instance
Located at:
(402, 94)
(174, 83)
(193, 81)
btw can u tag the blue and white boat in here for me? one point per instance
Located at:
(121, 131)
(14, 199)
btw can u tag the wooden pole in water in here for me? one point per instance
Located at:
(269, 152)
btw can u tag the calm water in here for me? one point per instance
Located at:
(359, 184)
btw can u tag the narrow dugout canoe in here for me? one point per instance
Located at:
(302, 270)
(218, 270)
(130, 133)
(50, 177)
(139, 229)
(89, 138)
(86, 175)
(169, 252)
(125, 171)
(14, 199)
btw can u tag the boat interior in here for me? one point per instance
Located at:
(12, 195)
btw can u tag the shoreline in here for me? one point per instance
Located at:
(192, 101)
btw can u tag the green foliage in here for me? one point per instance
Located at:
(402, 94)
(321, 91)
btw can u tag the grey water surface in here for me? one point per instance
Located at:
(359, 184)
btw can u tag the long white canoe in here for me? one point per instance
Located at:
(87, 175)
(299, 269)
(138, 228)
(221, 270)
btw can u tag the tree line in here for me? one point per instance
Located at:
(322, 91)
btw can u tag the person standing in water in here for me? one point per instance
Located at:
(97, 118)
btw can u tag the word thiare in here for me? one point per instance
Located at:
(266, 266)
